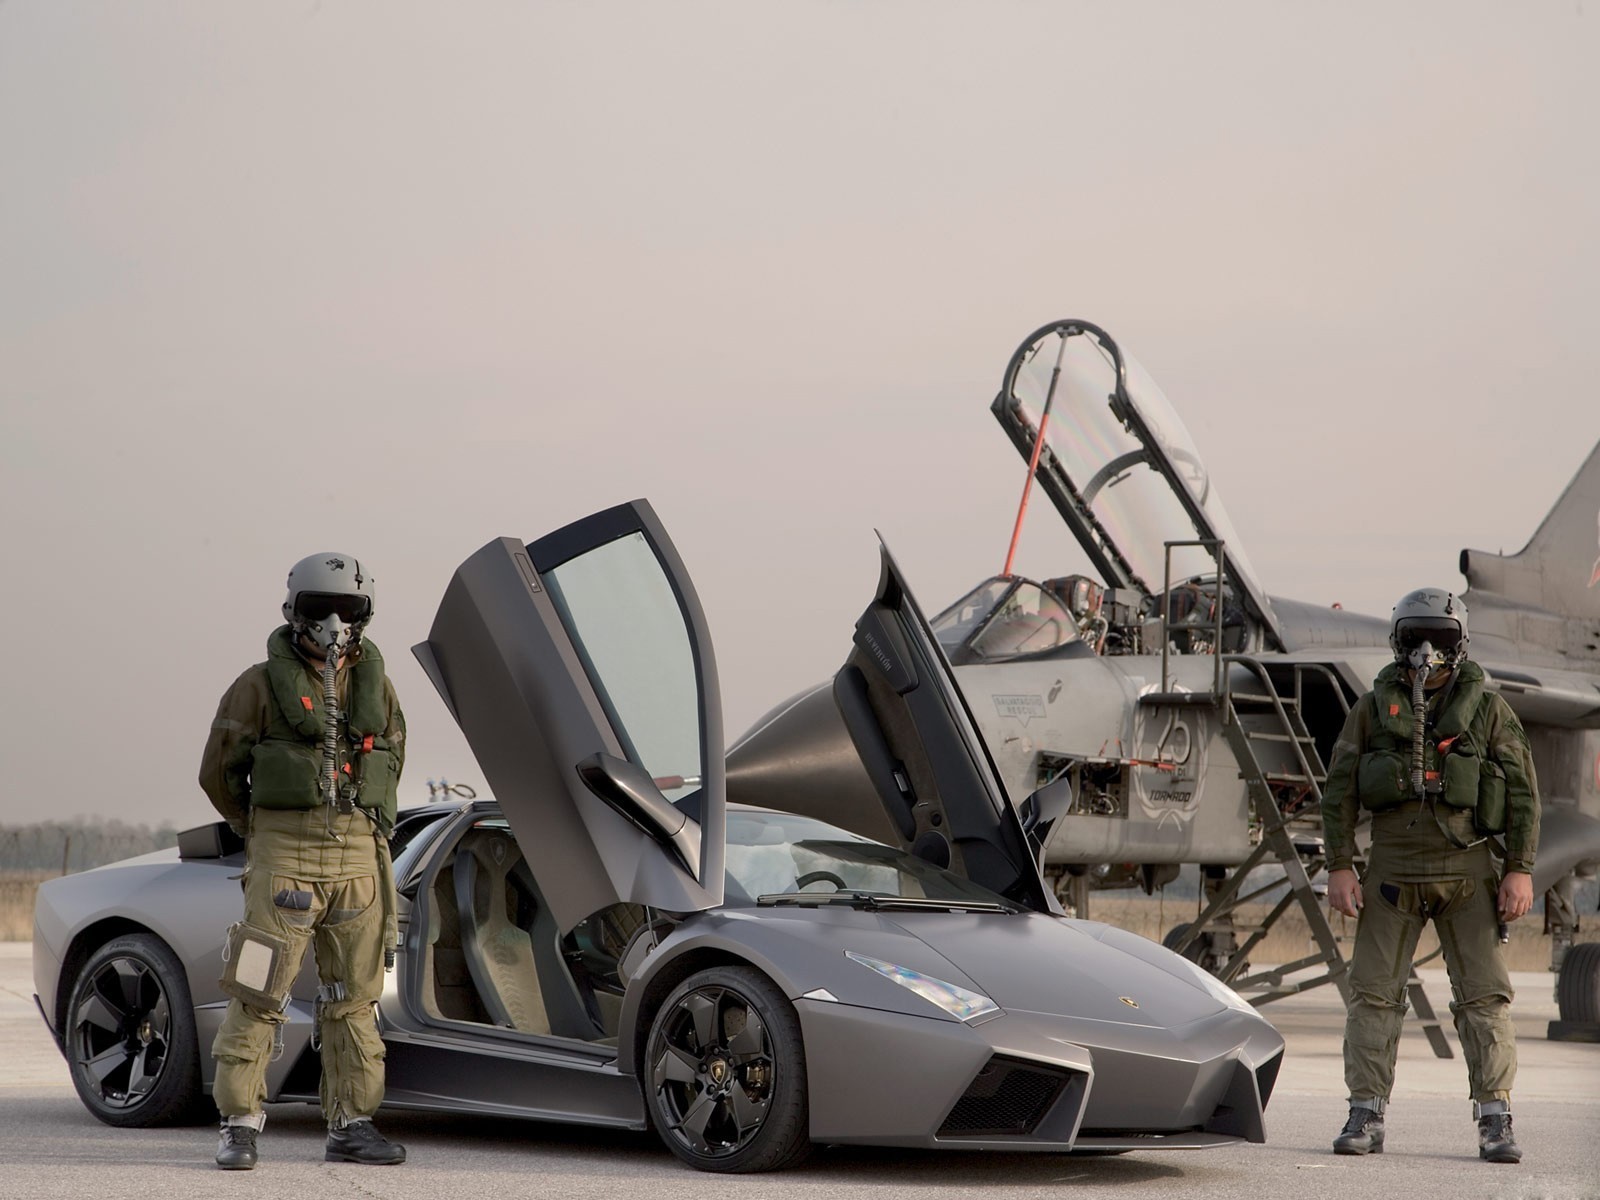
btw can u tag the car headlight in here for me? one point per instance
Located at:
(959, 1002)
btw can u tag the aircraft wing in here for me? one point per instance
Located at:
(1548, 695)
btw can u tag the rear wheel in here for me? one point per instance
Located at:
(725, 1073)
(130, 1037)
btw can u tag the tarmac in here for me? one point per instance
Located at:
(51, 1147)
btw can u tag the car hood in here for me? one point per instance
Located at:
(1034, 962)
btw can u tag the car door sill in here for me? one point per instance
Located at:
(494, 1042)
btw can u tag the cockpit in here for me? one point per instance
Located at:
(1112, 456)
(1004, 619)
(1010, 618)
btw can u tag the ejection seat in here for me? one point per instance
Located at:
(511, 942)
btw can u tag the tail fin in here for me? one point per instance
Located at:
(1559, 568)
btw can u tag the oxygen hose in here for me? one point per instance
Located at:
(330, 726)
(330, 738)
(1419, 714)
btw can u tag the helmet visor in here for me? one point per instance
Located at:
(319, 606)
(1443, 635)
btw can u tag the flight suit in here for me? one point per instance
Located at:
(313, 874)
(1429, 861)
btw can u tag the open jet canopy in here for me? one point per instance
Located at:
(1119, 465)
(580, 669)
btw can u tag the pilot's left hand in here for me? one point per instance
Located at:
(1516, 895)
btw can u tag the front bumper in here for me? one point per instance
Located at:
(1035, 1081)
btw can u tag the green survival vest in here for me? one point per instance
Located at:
(286, 765)
(1455, 750)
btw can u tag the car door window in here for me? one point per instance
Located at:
(626, 622)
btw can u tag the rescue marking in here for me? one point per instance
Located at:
(1022, 706)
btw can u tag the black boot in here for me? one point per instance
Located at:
(236, 1151)
(360, 1142)
(1495, 1142)
(1362, 1133)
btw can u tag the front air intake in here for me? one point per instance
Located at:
(1007, 1098)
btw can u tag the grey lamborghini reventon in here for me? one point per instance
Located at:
(611, 943)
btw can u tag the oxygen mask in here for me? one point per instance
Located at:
(1429, 646)
(331, 622)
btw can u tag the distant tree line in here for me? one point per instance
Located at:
(77, 845)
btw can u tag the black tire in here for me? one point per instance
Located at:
(129, 1036)
(724, 1073)
(1578, 984)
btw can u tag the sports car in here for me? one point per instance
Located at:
(610, 942)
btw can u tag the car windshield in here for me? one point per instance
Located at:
(771, 853)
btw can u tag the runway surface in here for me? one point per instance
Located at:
(51, 1147)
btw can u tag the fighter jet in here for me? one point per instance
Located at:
(1190, 714)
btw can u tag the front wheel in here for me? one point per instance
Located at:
(130, 1037)
(725, 1073)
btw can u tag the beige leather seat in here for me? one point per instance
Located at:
(499, 952)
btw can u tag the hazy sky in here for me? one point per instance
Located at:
(398, 279)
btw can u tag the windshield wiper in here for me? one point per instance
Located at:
(873, 901)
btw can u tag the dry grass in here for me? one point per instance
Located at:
(17, 890)
(1290, 939)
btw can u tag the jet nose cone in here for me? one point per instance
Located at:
(799, 758)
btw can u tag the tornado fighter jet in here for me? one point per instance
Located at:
(1192, 713)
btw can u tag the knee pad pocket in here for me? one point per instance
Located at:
(257, 968)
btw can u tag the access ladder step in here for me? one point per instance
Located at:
(1303, 739)
(1262, 698)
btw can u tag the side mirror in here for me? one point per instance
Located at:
(629, 789)
(1042, 809)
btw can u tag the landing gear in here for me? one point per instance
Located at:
(1211, 951)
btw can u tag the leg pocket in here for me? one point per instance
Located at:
(349, 898)
(350, 939)
(258, 967)
(294, 903)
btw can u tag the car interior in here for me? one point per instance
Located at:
(494, 955)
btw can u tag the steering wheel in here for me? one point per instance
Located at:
(811, 877)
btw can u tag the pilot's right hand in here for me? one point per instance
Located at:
(1344, 892)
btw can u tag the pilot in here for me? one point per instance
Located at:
(1438, 796)
(303, 761)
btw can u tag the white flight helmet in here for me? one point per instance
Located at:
(329, 600)
(1433, 616)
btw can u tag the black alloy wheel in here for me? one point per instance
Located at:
(130, 1036)
(724, 1073)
